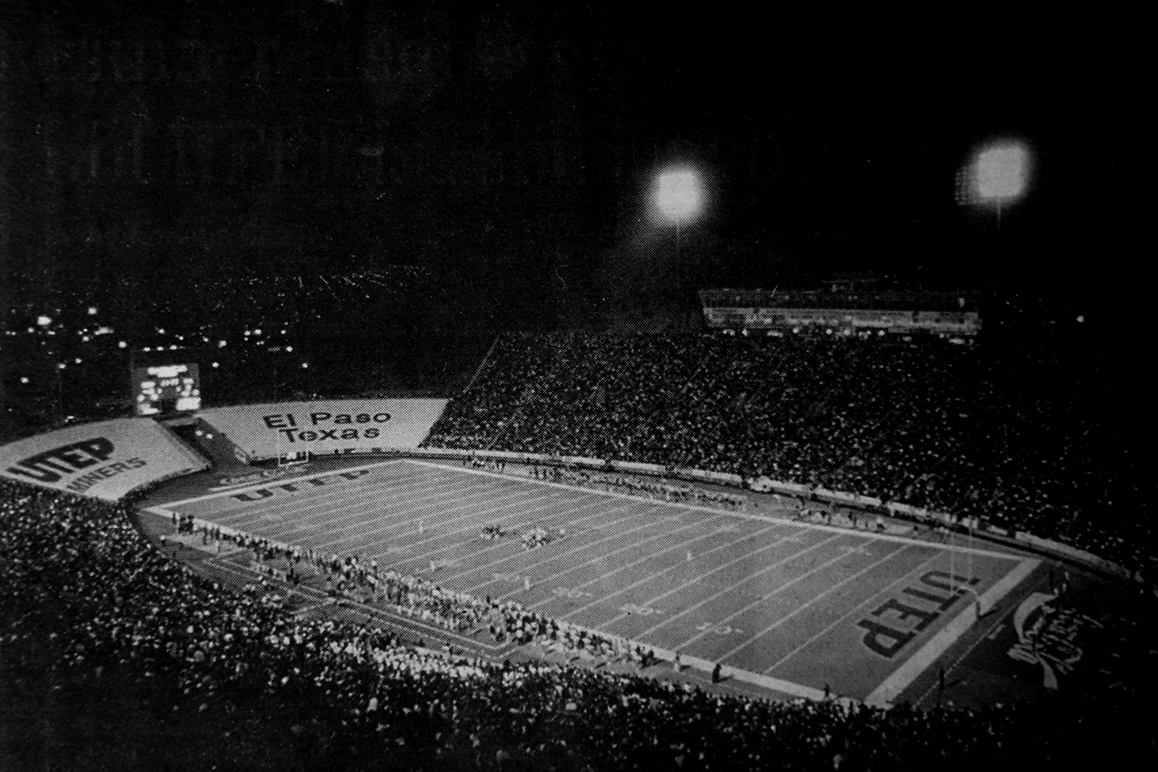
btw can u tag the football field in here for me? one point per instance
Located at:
(787, 605)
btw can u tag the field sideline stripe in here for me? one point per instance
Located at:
(904, 675)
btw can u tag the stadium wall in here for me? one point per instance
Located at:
(326, 427)
(103, 460)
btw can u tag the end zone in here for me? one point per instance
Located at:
(939, 643)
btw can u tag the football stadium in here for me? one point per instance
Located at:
(468, 465)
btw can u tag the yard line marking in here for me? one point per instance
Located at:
(314, 496)
(316, 509)
(650, 577)
(852, 611)
(682, 544)
(499, 544)
(799, 608)
(409, 517)
(731, 588)
(909, 670)
(320, 509)
(359, 520)
(629, 516)
(606, 555)
(274, 481)
(568, 515)
(731, 513)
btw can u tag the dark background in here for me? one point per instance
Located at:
(491, 161)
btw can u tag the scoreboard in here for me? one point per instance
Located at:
(161, 389)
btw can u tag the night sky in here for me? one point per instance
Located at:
(833, 142)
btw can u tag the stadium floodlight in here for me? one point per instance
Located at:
(1001, 173)
(679, 195)
(998, 176)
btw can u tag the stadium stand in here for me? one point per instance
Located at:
(85, 588)
(926, 423)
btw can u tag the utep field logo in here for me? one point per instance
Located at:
(52, 466)
(905, 619)
(256, 494)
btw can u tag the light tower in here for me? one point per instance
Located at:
(678, 199)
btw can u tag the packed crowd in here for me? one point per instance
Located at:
(1017, 442)
(838, 297)
(81, 579)
(354, 578)
(639, 486)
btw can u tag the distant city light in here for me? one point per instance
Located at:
(305, 365)
(289, 349)
(61, 366)
(160, 330)
(77, 360)
(257, 331)
(220, 344)
(92, 310)
(85, 338)
(43, 320)
(216, 365)
(1081, 318)
(24, 379)
(122, 344)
